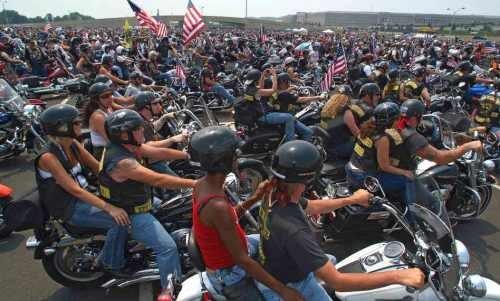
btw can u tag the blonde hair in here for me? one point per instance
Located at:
(334, 105)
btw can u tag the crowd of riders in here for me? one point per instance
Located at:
(372, 119)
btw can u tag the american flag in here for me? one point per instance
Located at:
(145, 19)
(263, 38)
(193, 23)
(489, 48)
(179, 72)
(162, 30)
(339, 65)
(47, 27)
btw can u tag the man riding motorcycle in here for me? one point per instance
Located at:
(415, 88)
(126, 183)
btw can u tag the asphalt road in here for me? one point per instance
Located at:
(23, 279)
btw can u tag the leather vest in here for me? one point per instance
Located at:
(336, 126)
(487, 110)
(398, 153)
(413, 89)
(364, 156)
(56, 201)
(133, 196)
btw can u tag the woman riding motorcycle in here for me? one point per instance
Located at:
(126, 183)
(62, 184)
(343, 119)
(223, 244)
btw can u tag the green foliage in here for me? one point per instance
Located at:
(13, 17)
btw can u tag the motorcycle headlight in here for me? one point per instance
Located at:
(488, 165)
(475, 286)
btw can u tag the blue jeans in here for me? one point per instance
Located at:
(148, 230)
(162, 167)
(309, 288)
(290, 123)
(85, 215)
(163, 77)
(223, 93)
(400, 185)
(229, 276)
(356, 177)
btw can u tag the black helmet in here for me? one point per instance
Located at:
(412, 107)
(98, 89)
(76, 41)
(58, 120)
(101, 78)
(84, 47)
(107, 60)
(297, 161)
(214, 147)
(385, 114)
(135, 75)
(465, 66)
(283, 77)
(418, 72)
(265, 66)
(252, 76)
(143, 99)
(344, 89)
(212, 61)
(123, 121)
(393, 74)
(369, 89)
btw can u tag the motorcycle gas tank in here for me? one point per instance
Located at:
(444, 174)
(383, 256)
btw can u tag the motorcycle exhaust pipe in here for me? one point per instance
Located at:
(138, 277)
(143, 279)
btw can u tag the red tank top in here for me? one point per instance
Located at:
(214, 253)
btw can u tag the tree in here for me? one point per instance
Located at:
(49, 17)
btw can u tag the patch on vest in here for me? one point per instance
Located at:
(395, 136)
(357, 109)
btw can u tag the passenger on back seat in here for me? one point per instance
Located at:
(62, 185)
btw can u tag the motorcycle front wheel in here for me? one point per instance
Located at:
(466, 209)
(70, 267)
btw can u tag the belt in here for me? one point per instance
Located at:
(143, 208)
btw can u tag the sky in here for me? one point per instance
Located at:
(256, 8)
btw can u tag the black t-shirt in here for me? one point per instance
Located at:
(287, 102)
(289, 250)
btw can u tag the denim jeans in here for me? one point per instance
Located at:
(229, 276)
(162, 77)
(223, 93)
(162, 167)
(85, 215)
(148, 230)
(356, 177)
(400, 185)
(309, 288)
(290, 123)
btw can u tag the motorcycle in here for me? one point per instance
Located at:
(433, 249)
(20, 129)
(466, 184)
(5, 199)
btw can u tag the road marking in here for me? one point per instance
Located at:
(146, 291)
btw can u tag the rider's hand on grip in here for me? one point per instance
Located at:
(362, 197)
(412, 277)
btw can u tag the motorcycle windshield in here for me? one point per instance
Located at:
(438, 230)
(9, 97)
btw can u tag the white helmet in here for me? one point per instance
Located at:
(289, 60)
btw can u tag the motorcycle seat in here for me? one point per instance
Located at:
(77, 231)
(194, 253)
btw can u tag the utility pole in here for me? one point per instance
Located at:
(246, 9)
(3, 11)
(453, 16)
